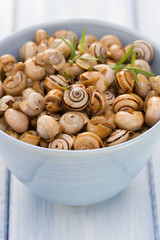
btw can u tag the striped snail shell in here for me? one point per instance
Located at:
(109, 97)
(125, 81)
(108, 40)
(142, 64)
(96, 49)
(53, 100)
(62, 142)
(87, 140)
(75, 98)
(143, 50)
(118, 136)
(97, 102)
(55, 81)
(126, 101)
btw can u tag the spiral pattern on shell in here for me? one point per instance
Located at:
(97, 49)
(55, 81)
(75, 98)
(125, 81)
(126, 101)
(118, 136)
(110, 98)
(62, 142)
(97, 102)
(142, 49)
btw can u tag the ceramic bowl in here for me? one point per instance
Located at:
(78, 177)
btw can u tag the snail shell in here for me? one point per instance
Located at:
(53, 100)
(30, 137)
(12, 133)
(6, 64)
(47, 127)
(142, 49)
(110, 98)
(155, 83)
(116, 52)
(75, 98)
(118, 136)
(109, 40)
(145, 86)
(88, 63)
(89, 39)
(125, 81)
(15, 84)
(87, 140)
(55, 81)
(62, 142)
(33, 70)
(66, 35)
(71, 71)
(61, 46)
(28, 50)
(129, 120)
(149, 95)
(51, 57)
(17, 120)
(71, 122)
(38, 87)
(107, 72)
(126, 101)
(97, 102)
(33, 105)
(40, 35)
(152, 115)
(5, 102)
(96, 49)
(94, 78)
(1, 89)
(99, 126)
(142, 64)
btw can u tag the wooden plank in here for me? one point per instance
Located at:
(126, 216)
(51, 10)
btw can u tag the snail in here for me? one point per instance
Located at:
(66, 35)
(87, 140)
(7, 62)
(116, 52)
(125, 81)
(28, 50)
(89, 39)
(71, 71)
(30, 137)
(15, 84)
(117, 137)
(55, 81)
(33, 105)
(110, 98)
(142, 64)
(40, 35)
(33, 70)
(142, 49)
(51, 57)
(96, 49)
(125, 101)
(99, 126)
(47, 127)
(144, 87)
(5, 102)
(75, 98)
(129, 120)
(155, 83)
(61, 46)
(62, 142)
(107, 71)
(94, 78)
(17, 120)
(71, 122)
(53, 100)
(152, 115)
(108, 40)
(86, 61)
(97, 102)
(38, 87)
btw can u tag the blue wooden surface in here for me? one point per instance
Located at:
(131, 215)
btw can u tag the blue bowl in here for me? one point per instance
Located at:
(78, 177)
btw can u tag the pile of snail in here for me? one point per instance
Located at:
(67, 93)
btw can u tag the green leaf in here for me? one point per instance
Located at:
(133, 58)
(117, 68)
(137, 70)
(100, 59)
(81, 44)
(73, 52)
(126, 56)
(135, 77)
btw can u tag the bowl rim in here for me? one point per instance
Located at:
(117, 147)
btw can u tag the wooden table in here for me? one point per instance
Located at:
(131, 215)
